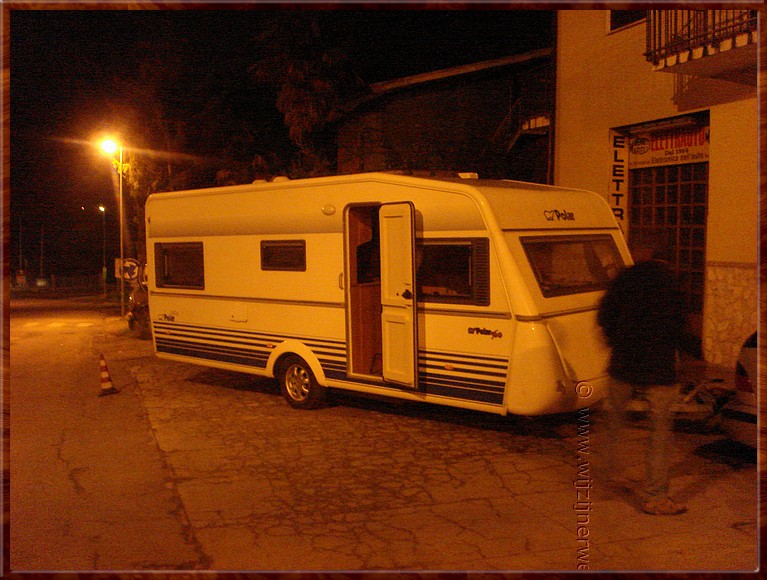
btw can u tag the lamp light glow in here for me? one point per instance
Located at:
(109, 146)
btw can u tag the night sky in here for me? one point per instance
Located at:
(69, 70)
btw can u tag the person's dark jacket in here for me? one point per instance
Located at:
(643, 320)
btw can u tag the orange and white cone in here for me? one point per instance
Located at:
(107, 388)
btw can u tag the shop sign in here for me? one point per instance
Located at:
(675, 146)
(617, 189)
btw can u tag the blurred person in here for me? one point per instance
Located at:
(643, 320)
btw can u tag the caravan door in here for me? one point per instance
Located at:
(398, 294)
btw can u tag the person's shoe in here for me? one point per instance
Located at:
(663, 506)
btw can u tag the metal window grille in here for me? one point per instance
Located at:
(668, 208)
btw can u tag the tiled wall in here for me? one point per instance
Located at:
(730, 314)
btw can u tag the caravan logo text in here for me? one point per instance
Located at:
(553, 214)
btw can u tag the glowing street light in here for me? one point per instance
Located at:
(111, 147)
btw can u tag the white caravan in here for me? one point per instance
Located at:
(466, 292)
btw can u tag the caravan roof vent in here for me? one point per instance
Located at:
(468, 175)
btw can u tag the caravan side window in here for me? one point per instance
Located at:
(455, 271)
(286, 255)
(179, 265)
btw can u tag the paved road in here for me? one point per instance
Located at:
(89, 487)
(218, 472)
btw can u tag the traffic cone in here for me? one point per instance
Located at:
(107, 388)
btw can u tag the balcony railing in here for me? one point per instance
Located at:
(672, 32)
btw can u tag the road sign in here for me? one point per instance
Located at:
(130, 269)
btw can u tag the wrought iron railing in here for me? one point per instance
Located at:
(671, 32)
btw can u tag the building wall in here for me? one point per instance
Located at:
(603, 83)
(451, 124)
(439, 126)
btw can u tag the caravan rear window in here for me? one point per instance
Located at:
(572, 264)
(179, 265)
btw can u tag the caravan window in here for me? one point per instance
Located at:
(179, 265)
(572, 264)
(455, 271)
(286, 255)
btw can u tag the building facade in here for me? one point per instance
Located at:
(492, 118)
(657, 111)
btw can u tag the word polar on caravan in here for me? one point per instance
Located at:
(528, 206)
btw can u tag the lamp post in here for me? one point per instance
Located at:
(111, 147)
(103, 211)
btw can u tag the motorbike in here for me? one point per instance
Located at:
(138, 309)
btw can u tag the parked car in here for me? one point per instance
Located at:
(740, 413)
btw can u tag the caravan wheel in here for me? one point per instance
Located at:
(298, 385)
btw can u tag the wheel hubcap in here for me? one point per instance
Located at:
(297, 382)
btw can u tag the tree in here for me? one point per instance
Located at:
(182, 131)
(312, 80)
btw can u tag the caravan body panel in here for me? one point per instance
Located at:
(241, 277)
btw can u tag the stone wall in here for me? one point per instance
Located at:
(731, 310)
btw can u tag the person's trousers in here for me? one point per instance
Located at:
(658, 445)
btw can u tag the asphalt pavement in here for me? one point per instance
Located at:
(366, 484)
(89, 488)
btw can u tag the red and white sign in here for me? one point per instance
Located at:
(675, 146)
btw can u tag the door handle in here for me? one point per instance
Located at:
(407, 294)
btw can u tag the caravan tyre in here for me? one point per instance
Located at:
(298, 385)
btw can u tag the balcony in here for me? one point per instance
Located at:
(709, 43)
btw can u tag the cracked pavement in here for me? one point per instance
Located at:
(245, 482)
(369, 484)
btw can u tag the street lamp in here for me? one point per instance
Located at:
(103, 211)
(110, 147)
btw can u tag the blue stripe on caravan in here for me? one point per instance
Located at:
(500, 363)
(479, 378)
(240, 347)
(222, 356)
(457, 389)
(474, 383)
(212, 331)
(213, 346)
(461, 369)
(464, 393)
(458, 382)
(431, 388)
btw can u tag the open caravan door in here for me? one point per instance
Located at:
(398, 294)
